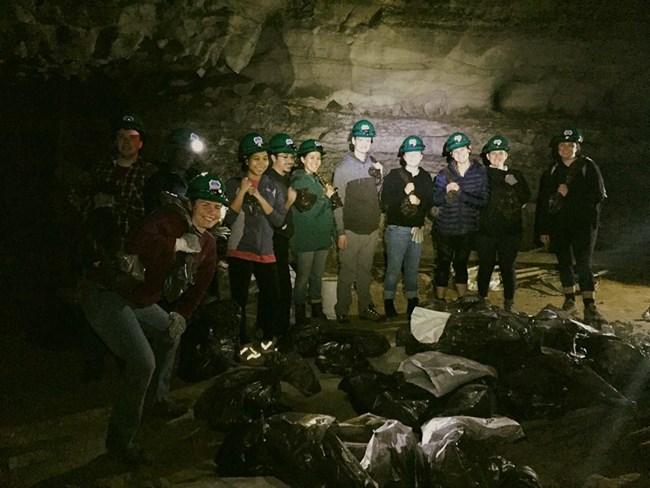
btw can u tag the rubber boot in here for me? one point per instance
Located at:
(411, 304)
(389, 308)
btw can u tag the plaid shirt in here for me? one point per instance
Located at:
(126, 185)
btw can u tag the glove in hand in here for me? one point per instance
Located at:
(177, 325)
(188, 243)
(510, 179)
(417, 234)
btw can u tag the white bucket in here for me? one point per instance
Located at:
(329, 296)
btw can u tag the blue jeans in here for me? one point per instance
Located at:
(309, 275)
(401, 252)
(122, 326)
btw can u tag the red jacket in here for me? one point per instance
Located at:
(153, 241)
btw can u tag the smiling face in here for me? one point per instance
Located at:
(311, 161)
(568, 151)
(128, 143)
(461, 154)
(412, 158)
(283, 163)
(497, 158)
(205, 214)
(257, 164)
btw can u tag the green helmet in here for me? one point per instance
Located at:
(410, 144)
(251, 143)
(455, 141)
(311, 145)
(129, 121)
(282, 144)
(185, 138)
(571, 134)
(207, 186)
(363, 128)
(496, 143)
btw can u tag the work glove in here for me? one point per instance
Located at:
(177, 325)
(511, 180)
(417, 234)
(188, 243)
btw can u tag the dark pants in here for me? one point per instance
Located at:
(452, 250)
(266, 275)
(575, 244)
(493, 250)
(281, 251)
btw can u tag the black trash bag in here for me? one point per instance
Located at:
(366, 343)
(296, 448)
(358, 429)
(340, 358)
(459, 449)
(395, 459)
(552, 383)
(364, 388)
(405, 339)
(238, 396)
(210, 345)
(554, 328)
(473, 400)
(304, 340)
(620, 363)
(490, 336)
(391, 397)
(295, 370)
(504, 474)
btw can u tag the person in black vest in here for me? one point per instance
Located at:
(500, 222)
(571, 192)
(407, 196)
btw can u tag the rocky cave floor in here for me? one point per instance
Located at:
(52, 424)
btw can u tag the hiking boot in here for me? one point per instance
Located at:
(389, 308)
(509, 306)
(569, 305)
(167, 409)
(646, 315)
(371, 314)
(342, 319)
(593, 316)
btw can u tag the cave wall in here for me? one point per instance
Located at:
(311, 68)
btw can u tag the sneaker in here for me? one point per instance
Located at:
(593, 316)
(371, 314)
(342, 319)
(167, 409)
(646, 315)
(569, 305)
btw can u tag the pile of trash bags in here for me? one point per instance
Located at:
(463, 383)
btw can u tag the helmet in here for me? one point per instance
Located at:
(455, 141)
(363, 128)
(410, 144)
(251, 143)
(282, 144)
(496, 143)
(207, 186)
(570, 135)
(129, 121)
(185, 138)
(310, 145)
